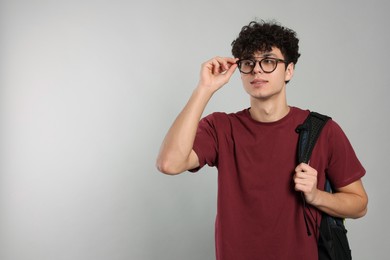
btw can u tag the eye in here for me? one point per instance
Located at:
(268, 61)
(248, 63)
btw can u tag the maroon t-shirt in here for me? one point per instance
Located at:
(259, 214)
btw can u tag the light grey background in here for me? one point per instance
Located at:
(89, 88)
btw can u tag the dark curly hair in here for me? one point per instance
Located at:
(262, 36)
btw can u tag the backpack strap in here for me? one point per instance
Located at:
(309, 132)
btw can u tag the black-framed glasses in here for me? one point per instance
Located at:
(267, 64)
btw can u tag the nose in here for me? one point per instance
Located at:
(257, 68)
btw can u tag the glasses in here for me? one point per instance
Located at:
(267, 65)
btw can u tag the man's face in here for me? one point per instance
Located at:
(262, 85)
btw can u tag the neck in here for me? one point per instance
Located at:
(268, 111)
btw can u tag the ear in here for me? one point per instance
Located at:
(289, 72)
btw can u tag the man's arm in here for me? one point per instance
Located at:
(176, 154)
(347, 202)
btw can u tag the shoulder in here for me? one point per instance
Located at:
(331, 130)
(297, 115)
(223, 117)
(334, 138)
(335, 132)
(222, 123)
(331, 127)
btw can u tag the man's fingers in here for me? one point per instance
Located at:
(305, 168)
(221, 64)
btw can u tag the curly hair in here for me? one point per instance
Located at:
(262, 36)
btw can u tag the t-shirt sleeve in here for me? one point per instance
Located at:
(206, 142)
(344, 166)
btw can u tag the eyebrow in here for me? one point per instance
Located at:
(265, 55)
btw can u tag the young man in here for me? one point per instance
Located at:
(259, 211)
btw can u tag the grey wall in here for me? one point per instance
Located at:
(89, 88)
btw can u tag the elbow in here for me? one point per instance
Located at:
(364, 208)
(360, 214)
(363, 213)
(166, 167)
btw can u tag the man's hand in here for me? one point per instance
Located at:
(305, 179)
(346, 202)
(216, 72)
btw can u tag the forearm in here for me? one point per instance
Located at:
(176, 148)
(342, 204)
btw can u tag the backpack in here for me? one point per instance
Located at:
(333, 242)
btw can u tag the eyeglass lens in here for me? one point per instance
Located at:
(267, 65)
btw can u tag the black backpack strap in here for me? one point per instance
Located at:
(309, 132)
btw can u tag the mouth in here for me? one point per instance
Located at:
(259, 82)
